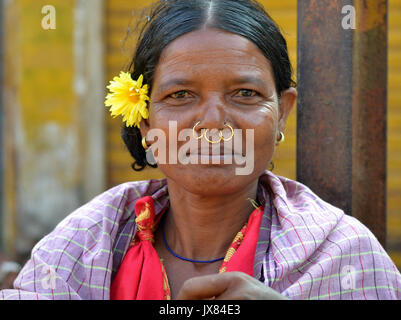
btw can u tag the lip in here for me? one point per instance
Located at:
(213, 159)
(208, 156)
(209, 152)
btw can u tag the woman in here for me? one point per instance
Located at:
(219, 69)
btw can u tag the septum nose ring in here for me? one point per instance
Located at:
(221, 137)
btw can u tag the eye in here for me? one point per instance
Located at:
(247, 93)
(179, 94)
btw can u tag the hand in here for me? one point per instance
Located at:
(8, 272)
(227, 286)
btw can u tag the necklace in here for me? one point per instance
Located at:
(182, 258)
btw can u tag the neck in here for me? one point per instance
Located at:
(202, 227)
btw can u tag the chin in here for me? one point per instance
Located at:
(208, 180)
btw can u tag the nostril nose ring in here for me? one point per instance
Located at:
(204, 134)
(221, 133)
(211, 141)
(193, 132)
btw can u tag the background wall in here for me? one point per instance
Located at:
(53, 159)
(46, 122)
(394, 133)
(40, 123)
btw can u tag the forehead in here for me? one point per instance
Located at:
(211, 48)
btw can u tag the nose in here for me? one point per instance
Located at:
(212, 113)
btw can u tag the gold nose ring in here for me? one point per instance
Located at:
(204, 134)
(221, 133)
(211, 141)
(193, 132)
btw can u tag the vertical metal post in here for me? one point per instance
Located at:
(1, 128)
(9, 87)
(324, 109)
(369, 118)
(341, 120)
(89, 89)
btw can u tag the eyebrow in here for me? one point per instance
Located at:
(174, 82)
(250, 79)
(242, 79)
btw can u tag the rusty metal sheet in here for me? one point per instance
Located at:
(1, 128)
(341, 115)
(324, 109)
(369, 118)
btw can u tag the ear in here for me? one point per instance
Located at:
(144, 127)
(287, 100)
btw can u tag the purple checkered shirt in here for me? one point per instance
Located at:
(307, 249)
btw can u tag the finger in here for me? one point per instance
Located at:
(251, 292)
(204, 287)
(229, 286)
(241, 287)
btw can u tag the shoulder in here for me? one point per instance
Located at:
(366, 270)
(364, 249)
(98, 223)
(338, 251)
(112, 207)
(296, 195)
(84, 249)
(103, 224)
(300, 214)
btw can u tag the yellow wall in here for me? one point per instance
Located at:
(119, 14)
(120, 18)
(42, 176)
(394, 133)
(285, 14)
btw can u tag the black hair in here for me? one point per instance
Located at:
(170, 19)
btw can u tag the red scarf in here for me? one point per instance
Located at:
(142, 276)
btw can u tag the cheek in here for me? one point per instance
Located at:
(265, 141)
(265, 138)
(170, 125)
(159, 117)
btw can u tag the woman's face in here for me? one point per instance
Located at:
(215, 77)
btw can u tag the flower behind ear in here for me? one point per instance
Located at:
(128, 98)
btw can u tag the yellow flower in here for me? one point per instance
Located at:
(128, 98)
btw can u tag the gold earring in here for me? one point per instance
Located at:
(144, 144)
(282, 138)
(221, 133)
